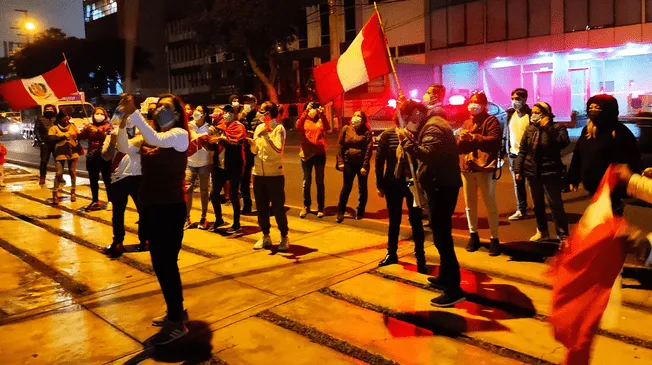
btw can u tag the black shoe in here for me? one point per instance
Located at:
(359, 214)
(233, 230)
(494, 248)
(448, 300)
(117, 251)
(107, 250)
(422, 268)
(436, 282)
(340, 218)
(474, 243)
(217, 225)
(143, 246)
(390, 259)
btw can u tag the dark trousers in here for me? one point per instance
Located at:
(550, 188)
(163, 227)
(245, 188)
(394, 196)
(519, 189)
(47, 151)
(350, 172)
(219, 177)
(271, 190)
(441, 205)
(319, 163)
(120, 193)
(96, 165)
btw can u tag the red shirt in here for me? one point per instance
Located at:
(313, 137)
(95, 134)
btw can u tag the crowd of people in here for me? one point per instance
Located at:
(158, 156)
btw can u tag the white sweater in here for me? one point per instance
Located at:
(268, 148)
(640, 187)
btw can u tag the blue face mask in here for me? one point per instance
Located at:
(517, 104)
(165, 117)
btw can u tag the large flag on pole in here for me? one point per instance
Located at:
(364, 60)
(44, 89)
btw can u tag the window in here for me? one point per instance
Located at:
(517, 19)
(325, 28)
(496, 20)
(455, 20)
(412, 49)
(302, 30)
(100, 9)
(648, 10)
(601, 13)
(349, 20)
(438, 28)
(591, 14)
(475, 23)
(628, 12)
(392, 51)
(539, 18)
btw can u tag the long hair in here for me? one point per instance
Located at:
(180, 108)
(365, 120)
(101, 109)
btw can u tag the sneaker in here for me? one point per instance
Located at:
(474, 243)
(233, 230)
(304, 212)
(390, 259)
(494, 247)
(187, 225)
(160, 320)
(320, 214)
(422, 268)
(92, 207)
(171, 332)
(436, 282)
(340, 218)
(41, 180)
(204, 225)
(117, 251)
(359, 214)
(109, 206)
(517, 216)
(217, 225)
(540, 236)
(264, 242)
(143, 246)
(448, 300)
(284, 245)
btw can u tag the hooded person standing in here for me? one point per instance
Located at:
(96, 133)
(41, 129)
(313, 124)
(63, 135)
(605, 140)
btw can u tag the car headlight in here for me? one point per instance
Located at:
(14, 128)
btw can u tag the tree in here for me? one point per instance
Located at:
(256, 29)
(94, 63)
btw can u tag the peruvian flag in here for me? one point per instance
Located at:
(40, 90)
(364, 60)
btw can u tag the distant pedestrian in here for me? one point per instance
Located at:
(67, 149)
(539, 161)
(162, 203)
(199, 167)
(313, 124)
(353, 159)
(605, 140)
(518, 120)
(41, 130)
(268, 145)
(430, 140)
(479, 145)
(3, 153)
(96, 133)
(247, 117)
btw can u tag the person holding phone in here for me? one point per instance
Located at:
(313, 124)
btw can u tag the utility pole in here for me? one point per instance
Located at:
(333, 25)
(25, 25)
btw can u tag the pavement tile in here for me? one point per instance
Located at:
(382, 335)
(69, 336)
(208, 298)
(524, 335)
(348, 242)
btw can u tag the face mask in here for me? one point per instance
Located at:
(99, 118)
(356, 122)
(229, 117)
(49, 114)
(235, 104)
(535, 119)
(197, 116)
(517, 104)
(247, 108)
(475, 109)
(165, 117)
(596, 117)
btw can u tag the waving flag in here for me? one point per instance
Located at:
(584, 274)
(44, 89)
(364, 60)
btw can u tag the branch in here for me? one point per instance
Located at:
(273, 67)
(257, 70)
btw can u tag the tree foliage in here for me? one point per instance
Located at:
(92, 62)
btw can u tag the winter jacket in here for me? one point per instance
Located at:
(540, 151)
(268, 149)
(506, 131)
(42, 128)
(355, 149)
(435, 149)
(486, 138)
(95, 134)
(67, 146)
(313, 139)
(386, 160)
(612, 143)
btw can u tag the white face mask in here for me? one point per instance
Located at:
(535, 119)
(229, 117)
(235, 104)
(247, 108)
(356, 121)
(517, 104)
(99, 118)
(475, 109)
(197, 116)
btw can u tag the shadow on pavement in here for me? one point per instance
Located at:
(294, 252)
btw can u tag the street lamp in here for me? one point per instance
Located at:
(30, 26)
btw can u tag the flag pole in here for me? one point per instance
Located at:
(414, 183)
(65, 60)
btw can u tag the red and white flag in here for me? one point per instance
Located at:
(44, 89)
(364, 60)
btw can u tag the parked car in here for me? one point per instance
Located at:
(10, 124)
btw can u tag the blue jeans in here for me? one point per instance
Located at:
(519, 189)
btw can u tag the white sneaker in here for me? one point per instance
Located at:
(304, 212)
(264, 242)
(284, 245)
(517, 216)
(109, 206)
(539, 236)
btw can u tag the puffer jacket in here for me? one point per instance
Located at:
(540, 152)
(355, 149)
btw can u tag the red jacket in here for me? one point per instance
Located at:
(313, 138)
(3, 153)
(95, 134)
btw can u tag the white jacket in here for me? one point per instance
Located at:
(130, 163)
(268, 148)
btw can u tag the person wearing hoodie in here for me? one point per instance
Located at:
(605, 140)
(539, 160)
(479, 144)
(518, 120)
(199, 167)
(353, 159)
(228, 165)
(63, 136)
(313, 124)
(41, 129)
(96, 133)
(268, 145)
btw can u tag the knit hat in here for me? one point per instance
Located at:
(545, 108)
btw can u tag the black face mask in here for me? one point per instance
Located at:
(597, 117)
(49, 114)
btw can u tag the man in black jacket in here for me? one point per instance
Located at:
(435, 149)
(518, 119)
(41, 129)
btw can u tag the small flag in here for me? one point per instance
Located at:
(364, 60)
(40, 90)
